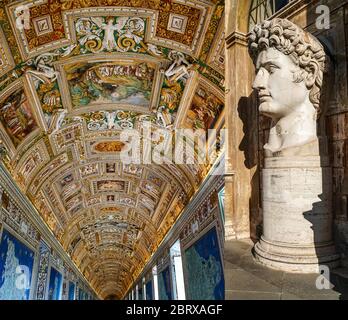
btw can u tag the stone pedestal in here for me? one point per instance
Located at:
(297, 230)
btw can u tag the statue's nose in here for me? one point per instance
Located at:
(260, 80)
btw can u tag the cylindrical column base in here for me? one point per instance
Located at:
(297, 216)
(297, 259)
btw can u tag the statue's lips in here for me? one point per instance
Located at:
(264, 97)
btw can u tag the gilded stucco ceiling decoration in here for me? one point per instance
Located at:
(70, 83)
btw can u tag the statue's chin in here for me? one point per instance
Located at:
(266, 109)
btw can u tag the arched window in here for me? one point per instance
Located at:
(263, 9)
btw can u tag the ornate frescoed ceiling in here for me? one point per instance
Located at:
(71, 79)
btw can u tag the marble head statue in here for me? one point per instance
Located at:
(289, 72)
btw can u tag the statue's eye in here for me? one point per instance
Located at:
(272, 68)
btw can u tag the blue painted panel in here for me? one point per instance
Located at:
(140, 292)
(164, 287)
(55, 285)
(205, 278)
(149, 294)
(71, 295)
(16, 267)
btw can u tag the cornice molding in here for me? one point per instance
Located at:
(236, 37)
(291, 9)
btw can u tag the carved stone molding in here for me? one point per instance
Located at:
(236, 38)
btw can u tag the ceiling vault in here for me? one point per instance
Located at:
(73, 76)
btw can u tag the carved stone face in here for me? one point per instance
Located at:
(279, 94)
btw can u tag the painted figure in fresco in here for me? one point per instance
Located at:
(17, 117)
(131, 28)
(111, 116)
(289, 71)
(179, 67)
(44, 69)
(111, 83)
(135, 29)
(3, 154)
(110, 33)
(109, 42)
(204, 110)
(60, 119)
(110, 185)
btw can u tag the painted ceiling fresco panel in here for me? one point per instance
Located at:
(216, 54)
(102, 84)
(178, 24)
(204, 110)
(17, 116)
(31, 162)
(48, 28)
(6, 60)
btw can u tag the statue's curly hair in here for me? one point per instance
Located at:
(305, 50)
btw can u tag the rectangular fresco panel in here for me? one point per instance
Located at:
(149, 294)
(204, 111)
(164, 287)
(111, 185)
(71, 295)
(16, 267)
(17, 117)
(205, 277)
(55, 285)
(123, 83)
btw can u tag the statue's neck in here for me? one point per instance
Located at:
(293, 130)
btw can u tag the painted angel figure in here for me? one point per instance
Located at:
(110, 116)
(109, 42)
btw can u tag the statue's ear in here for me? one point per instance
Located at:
(312, 73)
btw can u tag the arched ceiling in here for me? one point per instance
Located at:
(70, 82)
